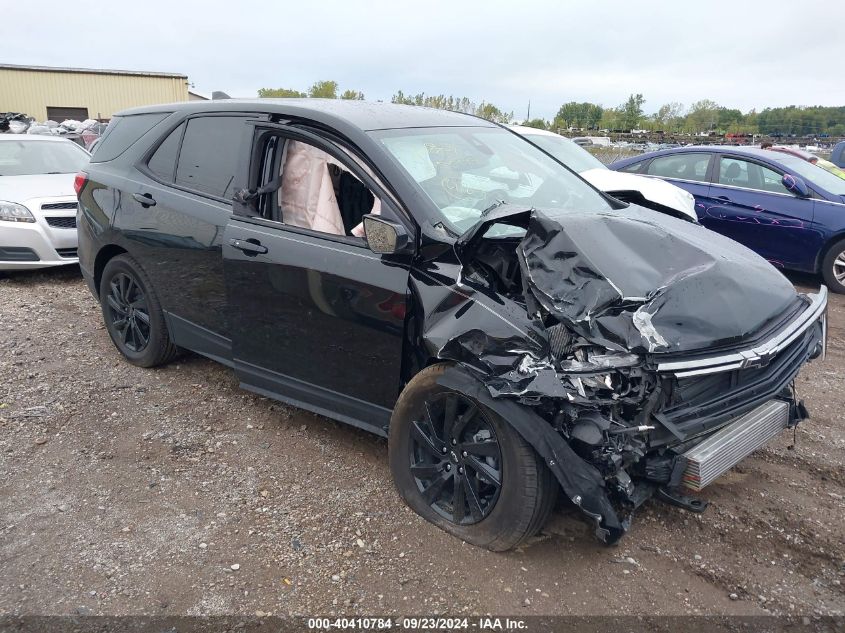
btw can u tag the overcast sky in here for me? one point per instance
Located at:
(740, 54)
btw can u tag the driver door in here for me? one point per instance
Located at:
(317, 317)
(751, 206)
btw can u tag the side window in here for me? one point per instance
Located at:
(309, 188)
(210, 153)
(634, 168)
(681, 166)
(122, 132)
(163, 161)
(734, 172)
(742, 173)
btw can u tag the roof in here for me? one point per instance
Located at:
(364, 115)
(94, 71)
(32, 137)
(527, 129)
(741, 150)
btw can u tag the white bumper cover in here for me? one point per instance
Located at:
(51, 238)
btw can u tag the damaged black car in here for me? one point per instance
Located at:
(434, 278)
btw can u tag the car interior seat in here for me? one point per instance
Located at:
(732, 173)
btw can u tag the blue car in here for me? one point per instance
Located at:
(784, 208)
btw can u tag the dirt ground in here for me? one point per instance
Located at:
(172, 491)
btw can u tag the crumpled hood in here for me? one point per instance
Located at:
(637, 280)
(22, 188)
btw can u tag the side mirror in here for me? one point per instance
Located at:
(383, 236)
(796, 185)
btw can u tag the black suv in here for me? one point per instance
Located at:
(434, 278)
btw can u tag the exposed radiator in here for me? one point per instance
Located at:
(727, 447)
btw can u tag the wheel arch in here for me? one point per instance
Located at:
(825, 249)
(108, 252)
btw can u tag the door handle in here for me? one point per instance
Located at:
(723, 198)
(250, 246)
(146, 199)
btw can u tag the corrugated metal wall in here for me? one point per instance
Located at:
(30, 91)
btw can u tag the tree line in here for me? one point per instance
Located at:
(702, 116)
(331, 90)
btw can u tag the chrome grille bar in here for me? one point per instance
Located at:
(759, 355)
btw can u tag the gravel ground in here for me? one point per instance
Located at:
(171, 491)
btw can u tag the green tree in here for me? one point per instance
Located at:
(574, 114)
(611, 119)
(632, 111)
(455, 104)
(492, 113)
(540, 124)
(703, 116)
(278, 93)
(669, 116)
(323, 90)
(352, 95)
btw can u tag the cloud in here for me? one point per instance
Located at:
(507, 53)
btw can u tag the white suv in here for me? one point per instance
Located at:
(38, 201)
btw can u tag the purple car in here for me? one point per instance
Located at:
(788, 210)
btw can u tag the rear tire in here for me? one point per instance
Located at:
(476, 450)
(833, 264)
(132, 314)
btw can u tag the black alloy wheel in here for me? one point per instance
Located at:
(455, 459)
(464, 468)
(130, 315)
(133, 315)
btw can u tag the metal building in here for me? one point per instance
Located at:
(84, 93)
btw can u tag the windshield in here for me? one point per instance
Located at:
(833, 169)
(814, 175)
(28, 158)
(570, 154)
(466, 170)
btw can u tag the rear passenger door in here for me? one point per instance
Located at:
(317, 318)
(176, 221)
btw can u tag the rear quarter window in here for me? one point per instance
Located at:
(122, 133)
(634, 168)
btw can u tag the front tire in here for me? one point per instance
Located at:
(132, 314)
(462, 467)
(833, 267)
